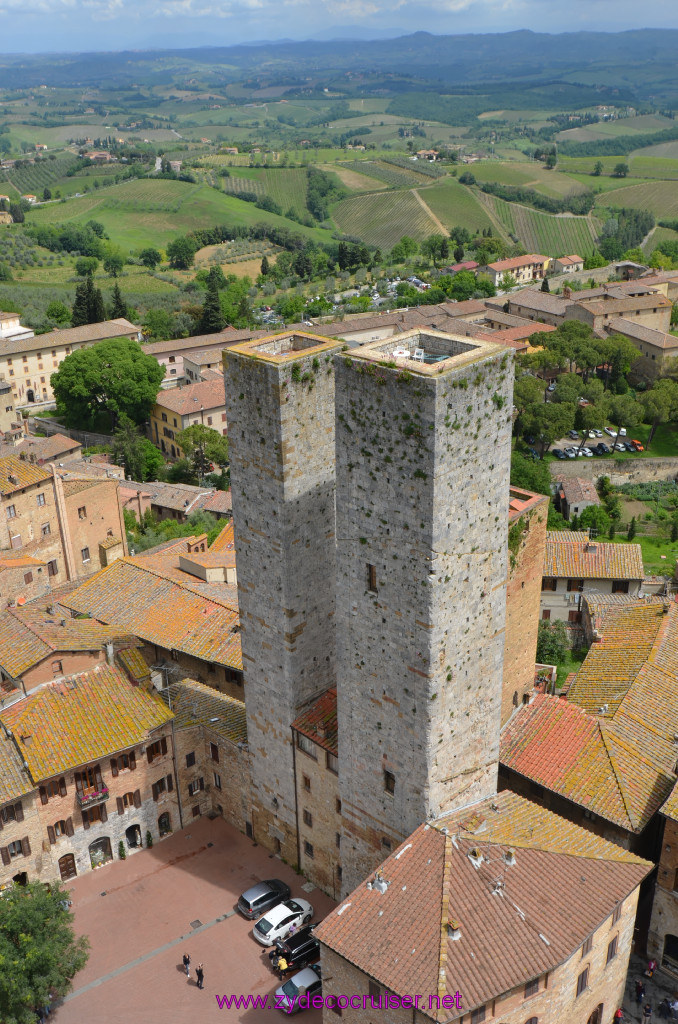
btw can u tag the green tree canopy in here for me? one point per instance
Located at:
(86, 265)
(532, 476)
(113, 376)
(150, 257)
(660, 404)
(212, 319)
(88, 307)
(552, 642)
(436, 248)
(118, 305)
(141, 459)
(59, 312)
(39, 954)
(203, 446)
(180, 254)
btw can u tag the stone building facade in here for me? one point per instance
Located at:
(280, 408)
(528, 514)
(422, 487)
(662, 942)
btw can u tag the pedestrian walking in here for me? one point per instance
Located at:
(647, 1013)
(619, 1015)
(640, 991)
(199, 973)
(187, 964)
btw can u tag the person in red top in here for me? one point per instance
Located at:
(619, 1015)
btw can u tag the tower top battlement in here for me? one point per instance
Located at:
(429, 353)
(285, 347)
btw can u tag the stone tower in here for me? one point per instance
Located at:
(423, 455)
(281, 427)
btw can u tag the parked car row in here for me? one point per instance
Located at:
(588, 452)
(284, 923)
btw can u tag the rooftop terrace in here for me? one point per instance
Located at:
(426, 352)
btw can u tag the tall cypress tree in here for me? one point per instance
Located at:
(95, 303)
(118, 307)
(212, 318)
(80, 314)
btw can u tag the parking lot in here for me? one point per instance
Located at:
(143, 913)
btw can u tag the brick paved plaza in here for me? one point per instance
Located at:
(148, 918)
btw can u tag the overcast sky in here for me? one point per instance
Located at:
(70, 25)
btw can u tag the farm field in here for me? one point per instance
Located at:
(287, 186)
(390, 174)
(456, 205)
(659, 235)
(645, 166)
(609, 129)
(382, 219)
(531, 175)
(544, 232)
(153, 212)
(660, 197)
(356, 181)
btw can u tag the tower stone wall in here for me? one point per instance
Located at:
(423, 458)
(280, 408)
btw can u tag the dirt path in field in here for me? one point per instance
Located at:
(439, 224)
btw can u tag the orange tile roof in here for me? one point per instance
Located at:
(517, 261)
(592, 560)
(16, 473)
(86, 717)
(625, 755)
(319, 722)
(225, 540)
(29, 635)
(15, 781)
(206, 394)
(21, 562)
(164, 607)
(193, 704)
(511, 928)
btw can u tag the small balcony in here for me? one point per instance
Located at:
(91, 797)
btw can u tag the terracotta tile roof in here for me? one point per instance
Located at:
(563, 536)
(609, 306)
(134, 664)
(16, 473)
(193, 704)
(42, 448)
(225, 540)
(521, 501)
(592, 560)
(517, 261)
(319, 722)
(670, 808)
(577, 488)
(201, 342)
(15, 781)
(72, 486)
(180, 497)
(400, 937)
(539, 301)
(164, 608)
(639, 332)
(20, 563)
(634, 671)
(29, 635)
(219, 502)
(86, 717)
(69, 336)
(206, 394)
(567, 261)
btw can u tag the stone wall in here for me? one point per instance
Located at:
(318, 795)
(224, 769)
(523, 593)
(422, 493)
(31, 859)
(665, 906)
(620, 471)
(280, 411)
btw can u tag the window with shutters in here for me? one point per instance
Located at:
(478, 1016)
(214, 752)
(60, 829)
(94, 815)
(332, 762)
(372, 578)
(217, 780)
(612, 949)
(307, 745)
(16, 849)
(586, 948)
(156, 750)
(28, 577)
(128, 800)
(308, 819)
(40, 498)
(532, 988)
(549, 583)
(123, 763)
(196, 786)
(617, 913)
(164, 785)
(52, 567)
(55, 787)
(582, 981)
(12, 812)
(190, 759)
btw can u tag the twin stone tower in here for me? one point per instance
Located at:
(370, 497)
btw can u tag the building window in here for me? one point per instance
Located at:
(17, 849)
(28, 577)
(308, 818)
(11, 511)
(15, 540)
(52, 567)
(8, 814)
(549, 583)
(478, 1016)
(190, 759)
(332, 762)
(575, 585)
(389, 781)
(620, 586)
(532, 988)
(46, 529)
(574, 617)
(57, 668)
(386, 843)
(156, 749)
(82, 512)
(617, 913)
(337, 840)
(306, 782)
(308, 849)
(612, 949)
(164, 417)
(165, 785)
(197, 786)
(582, 982)
(209, 421)
(372, 578)
(337, 805)
(40, 498)
(223, 417)
(546, 614)
(217, 780)
(59, 829)
(128, 800)
(586, 948)
(85, 554)
(214, 752)
(307, 745)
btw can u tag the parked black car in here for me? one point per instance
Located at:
(629, 447)
(262, 896)
(559, 453)
(300, 949)
(603, 448)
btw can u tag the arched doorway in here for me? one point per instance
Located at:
(164, 824)
(100, 852)
(597, 1015)
(30, 395)
(133, 836)
(21, 878)
(67, 867)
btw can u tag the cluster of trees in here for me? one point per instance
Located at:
(624, 230)
(87, 239)
(576, 202)
(618, 145)
(321, 190)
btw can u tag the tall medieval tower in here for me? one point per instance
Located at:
(423, 456)
(280, 407)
